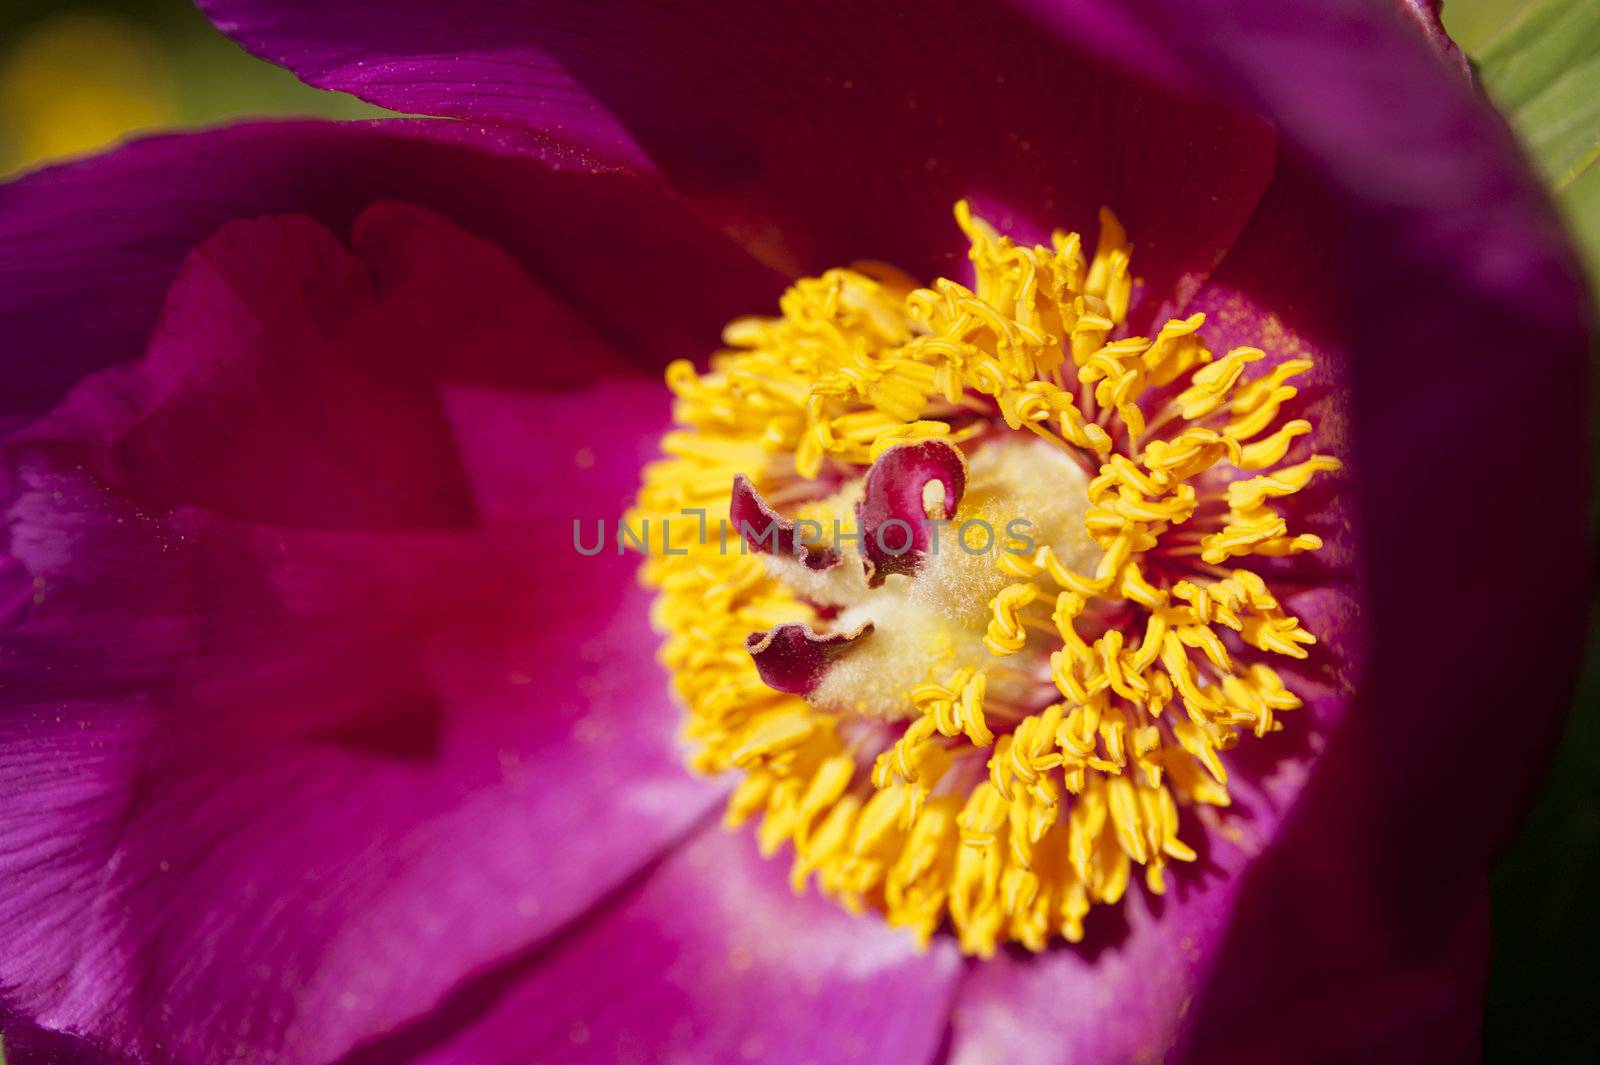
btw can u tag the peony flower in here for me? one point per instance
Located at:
(325, 740)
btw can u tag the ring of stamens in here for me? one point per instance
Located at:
(1003, 785)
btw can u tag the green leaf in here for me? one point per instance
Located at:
(1581, 203)
(1543, 70)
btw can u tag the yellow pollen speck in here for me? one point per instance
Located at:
(1024, 726)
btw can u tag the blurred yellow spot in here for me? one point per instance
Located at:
(78, 82)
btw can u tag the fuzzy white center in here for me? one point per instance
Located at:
(931, 624)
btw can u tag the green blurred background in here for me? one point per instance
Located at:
(76, 75)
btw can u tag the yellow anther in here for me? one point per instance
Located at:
(1256, 405)
(983, 816)
(775, 733)
(950, 791)
(1211, 384)
(1175, 351)
(1006, 634)
(1246, 495)
(1268, 452)
(1141, 591)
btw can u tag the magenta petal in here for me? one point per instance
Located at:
(820, 133)
(88, 249)
(1152, 973)
(893, 518)
(766, 531)
(25, 1043)
(710, 958)
(792, 658)
(1152, 986)
(1405, 221)
(1119, 1002)
(283, 759)
(1428, 15)
(474, 68)
(298, 852)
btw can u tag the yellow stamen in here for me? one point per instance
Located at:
(1019, 730)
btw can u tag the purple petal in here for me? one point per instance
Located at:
(894, 519)
(1405, 222)
(25, 1043)
(792, 658)
(478, 72)
(1382, 970)
(1132, 991)
(87, 250)
(711, 959)
(820, 133)
(1122, 997)
(767, 531)
(1153, 981)
(1428, 15)
(284, 758)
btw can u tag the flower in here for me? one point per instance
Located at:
(320, 740)
(1120, 471)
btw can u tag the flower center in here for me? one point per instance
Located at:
(986, 605)
(930, 620)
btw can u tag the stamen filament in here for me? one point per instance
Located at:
(989, 742)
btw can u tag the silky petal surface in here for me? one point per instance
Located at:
(709, 957)
(853, 128)
(1405, 247)
(25, 1043)
(88, 249)
(294, 697)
